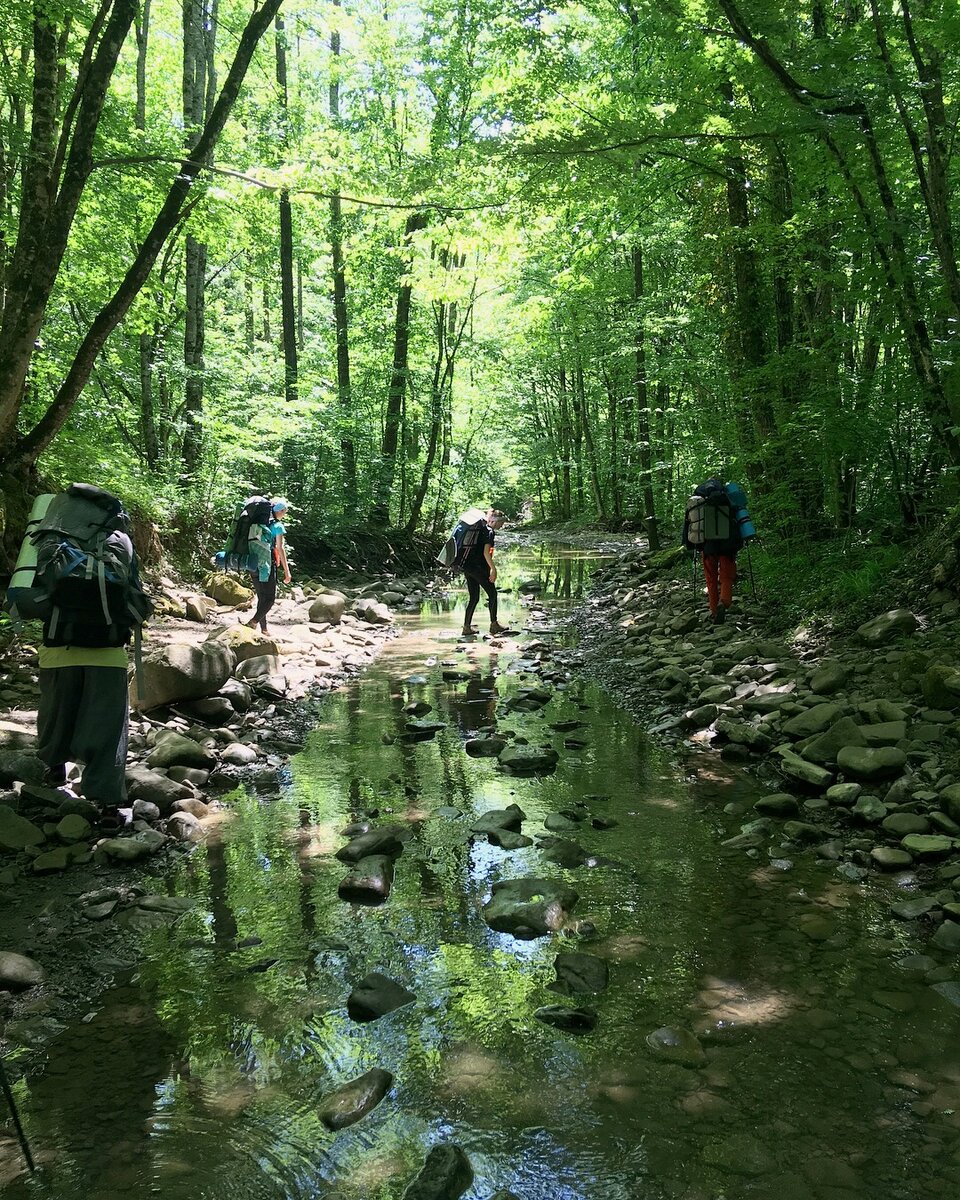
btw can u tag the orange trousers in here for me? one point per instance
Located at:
(719, 570)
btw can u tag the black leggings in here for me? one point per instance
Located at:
(266, 590)
(476, 581)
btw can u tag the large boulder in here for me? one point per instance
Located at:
(328, 607)
(227, 589)
(182, 671)
(528, 760)
(244, 641)
(154, 788)
(899, 622)
(17, 972)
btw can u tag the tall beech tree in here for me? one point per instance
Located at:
(57, 167)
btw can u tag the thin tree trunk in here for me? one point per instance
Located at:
(644, 447)
(288, 314)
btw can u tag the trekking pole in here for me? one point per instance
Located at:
(21, 1136)
(753, 582)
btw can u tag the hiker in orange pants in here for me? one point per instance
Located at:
(720, 571)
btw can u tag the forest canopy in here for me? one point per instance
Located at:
(391, 258)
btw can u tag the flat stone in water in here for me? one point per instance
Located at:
(529, 908)
(378, 841)
(677, 1046)
(570, 1020)
(351, 1102)
(557, 823)
(927, 845)
(908, 910)
(579, 974)
(888, 858)
(445, 1175)
(375, 996)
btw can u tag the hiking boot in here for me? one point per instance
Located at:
(469, 631)
(55, 777)
(720, 615)
(496, 629)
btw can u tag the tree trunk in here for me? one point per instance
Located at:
(288, 311)
(28, 449)
(380, 514)
(642, 423)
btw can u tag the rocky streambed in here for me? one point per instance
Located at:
(856, 739)
(477, 938)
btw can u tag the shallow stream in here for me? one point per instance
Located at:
(831, 1068)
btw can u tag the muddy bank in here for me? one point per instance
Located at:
(855, 738)
(222, 710)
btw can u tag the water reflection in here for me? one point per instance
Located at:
(828, 1068)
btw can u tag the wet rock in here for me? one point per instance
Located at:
(812, 720)
(804, 772)
(909, 910)
(888, 858)
(883, 762)
(902, 823)
(385, 841)
(215, 710)
(172, 749)
(563, 853)
(417, 708)
(927, 846)
(174, 906)
(237, 693)
(375, 996)
(558, 823)
(579, 974)
(528, 760)
(779, 804)
(77, 806)
(529, 908)
(900, 622)
(869, 809)
(419, 729)
(947, 937)
(484, 747)
(825, 747)
(351, 1102)
(676, 1046)
(193, 776)
(802, 831)
(369, 880)
(950, 801)
(497, 819)
(151, 786)
(949, 990)
(570, 1020)
(131, 849)
(16, 832)
(506, 839)
(17, 972)
(445, 1175)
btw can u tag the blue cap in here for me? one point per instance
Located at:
(279, 504)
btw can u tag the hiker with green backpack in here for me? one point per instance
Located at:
(267, 548)
(77, 573)
(716, 524)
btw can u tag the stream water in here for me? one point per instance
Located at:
(831, 1068)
